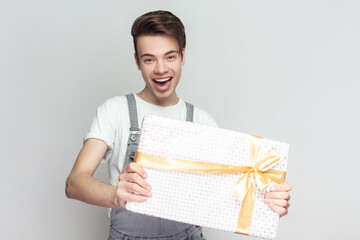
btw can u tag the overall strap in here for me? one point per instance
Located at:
(132, 112)
(189, 112)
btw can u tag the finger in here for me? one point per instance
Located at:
(134, 187)
(135, 168)
(277, 195)
(278, 202)
(280, 210)
(284, 214)
(125, 188)
(124, 197)
(136, 178)
(283, 187)
(122, 203)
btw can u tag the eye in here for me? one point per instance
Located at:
(148, 60)
(171, 57)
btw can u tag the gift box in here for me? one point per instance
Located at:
(209, 176)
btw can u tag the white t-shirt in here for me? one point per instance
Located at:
(112, 122)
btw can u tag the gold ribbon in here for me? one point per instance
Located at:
(259, 172)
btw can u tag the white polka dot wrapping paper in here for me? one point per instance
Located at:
(204, 199)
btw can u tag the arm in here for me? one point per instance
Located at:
(82, 186)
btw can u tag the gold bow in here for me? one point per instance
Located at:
(259, 172)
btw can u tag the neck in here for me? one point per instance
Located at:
(162, 102)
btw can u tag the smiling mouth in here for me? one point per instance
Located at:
(162, 81)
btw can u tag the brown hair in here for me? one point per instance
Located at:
(157, 23)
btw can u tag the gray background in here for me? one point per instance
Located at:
(287, 70)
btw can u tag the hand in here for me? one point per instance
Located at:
(278, 198)
(132, 180)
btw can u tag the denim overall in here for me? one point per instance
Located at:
(127, 225)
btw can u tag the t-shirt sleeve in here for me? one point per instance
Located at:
(103, 127)
(211, 122)
(203, 117)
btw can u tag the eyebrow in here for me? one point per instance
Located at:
(151, 55)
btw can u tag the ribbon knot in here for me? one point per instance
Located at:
(261, 174)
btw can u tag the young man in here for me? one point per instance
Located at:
(159, 41)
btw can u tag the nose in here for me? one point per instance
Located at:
(160, 67)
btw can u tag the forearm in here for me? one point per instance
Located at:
(85, 188)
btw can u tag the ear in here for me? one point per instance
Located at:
(183, 57)
(137, 61)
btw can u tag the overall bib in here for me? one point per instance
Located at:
(127, 225)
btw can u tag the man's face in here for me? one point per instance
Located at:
(160, 64)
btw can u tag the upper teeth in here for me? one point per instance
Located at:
(162, 80)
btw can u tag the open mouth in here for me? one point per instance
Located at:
(162, 82)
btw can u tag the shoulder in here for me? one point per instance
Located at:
(113, 107)
(116, 103)
(203, 117)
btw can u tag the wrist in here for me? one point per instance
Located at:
(115, 200)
